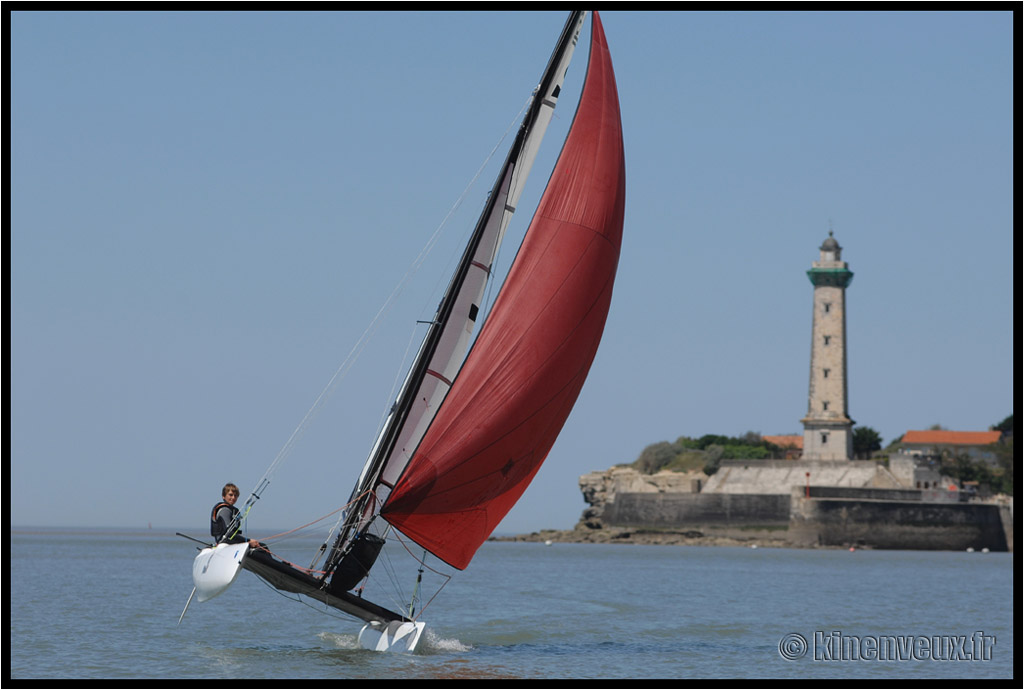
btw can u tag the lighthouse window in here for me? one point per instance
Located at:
(828, 307)
(825, 372)
(824, 405)
(824, 439)
(827, 338)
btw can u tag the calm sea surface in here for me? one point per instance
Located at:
(106, 605)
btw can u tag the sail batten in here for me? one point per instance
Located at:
(521, 380)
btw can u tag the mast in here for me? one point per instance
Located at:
(448, 337)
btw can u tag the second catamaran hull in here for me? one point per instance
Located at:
(396, 636)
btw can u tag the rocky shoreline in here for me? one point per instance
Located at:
(647, 536)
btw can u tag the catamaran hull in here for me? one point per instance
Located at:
(215, 568)
(395, 636)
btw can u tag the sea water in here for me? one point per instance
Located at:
(89, 604)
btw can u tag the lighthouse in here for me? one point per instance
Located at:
(828, 428)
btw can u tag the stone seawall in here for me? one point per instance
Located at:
(892, 524)
(880, 520)
(671, 510)
(1006, 515)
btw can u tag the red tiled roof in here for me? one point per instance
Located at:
(951, 438)
(795, 441)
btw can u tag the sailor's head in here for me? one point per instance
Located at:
(229, 490)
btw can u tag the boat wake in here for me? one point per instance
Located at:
(341, 640)
(432, 643)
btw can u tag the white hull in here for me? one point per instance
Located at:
(214, 569)
(395, 636)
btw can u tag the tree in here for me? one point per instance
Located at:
(713, 459)
(962, 468)
(654, 457)
(865, 442)
(706, 452)
(1005, 460)
(1002, 474)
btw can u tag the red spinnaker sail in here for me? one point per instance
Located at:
(525, 371)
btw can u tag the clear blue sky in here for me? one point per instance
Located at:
(207, 209)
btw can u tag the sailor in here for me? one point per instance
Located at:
(222, 516)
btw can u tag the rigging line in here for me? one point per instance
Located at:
(385, 577)
(425, 606)
(334, 527)
(390, 584)
(423, 564)
(416, 588)
(421, 561)
(301, 527)
(392, 394)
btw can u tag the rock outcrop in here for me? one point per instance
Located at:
(600, 488)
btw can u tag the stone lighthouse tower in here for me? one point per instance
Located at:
(827, 427)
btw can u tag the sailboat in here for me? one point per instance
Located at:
(475, 418)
